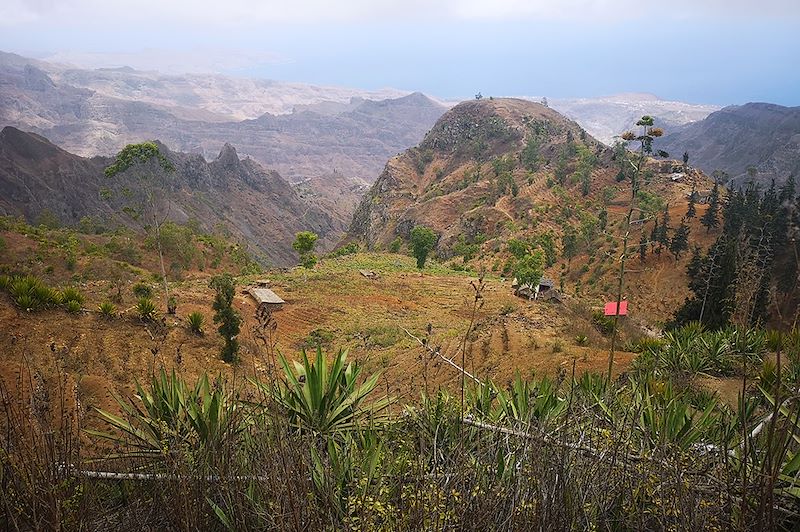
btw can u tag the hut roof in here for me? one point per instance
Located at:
(265, 295)
(611, 308)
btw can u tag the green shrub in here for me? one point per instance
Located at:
(603, 323)
(5, 282)
(394, 247)
(349, 249)
(71, 261)
(72, 306)
(142, 290)
(581, 339)
(318, 338)
(107, 309)
(146, 308)
(507, 309)
(195, 321)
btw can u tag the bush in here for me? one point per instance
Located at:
(146, 309)
(71, 261)
(581, 339)
(394, 247)
(72, 306)
(141, 290)
(318, 338)
(172, 305)
(195, 321)
(507, 309)
(603, 323)
(107, 309)
(349, 249)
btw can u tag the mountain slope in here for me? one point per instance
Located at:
(765, 137)
(255, 205)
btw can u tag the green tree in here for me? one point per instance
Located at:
(149, 207)
(422, 241)
(518, 248)
(691, 210)
(529, 269)
(711, 218)
(224, 314)
(663, 230)
(643, 246)
(633, 168)
(680, 240)
(569, 245)
(304, 243)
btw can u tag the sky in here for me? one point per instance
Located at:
(700, 51)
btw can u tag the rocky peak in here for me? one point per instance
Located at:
(228, 158)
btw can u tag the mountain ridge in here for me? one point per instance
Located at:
(256, 205)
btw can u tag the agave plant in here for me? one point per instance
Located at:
(667, 417)
(71, 294)
(195, 321)
(326, 399)
(526, 400)
(169, 414)
(146, 309)
(107, 309)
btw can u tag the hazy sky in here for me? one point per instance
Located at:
(705, 51)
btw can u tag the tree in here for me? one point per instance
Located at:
(529, 269)
(643, 246)
(304, 243)
(148, 208)
(691, 210)
(422, 241)
(632, 167)
(569, 245)
(663, 230)
(224, 314)
(680, 240)
(711, 218)
(603, 219)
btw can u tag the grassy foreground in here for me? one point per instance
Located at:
(317, 447)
